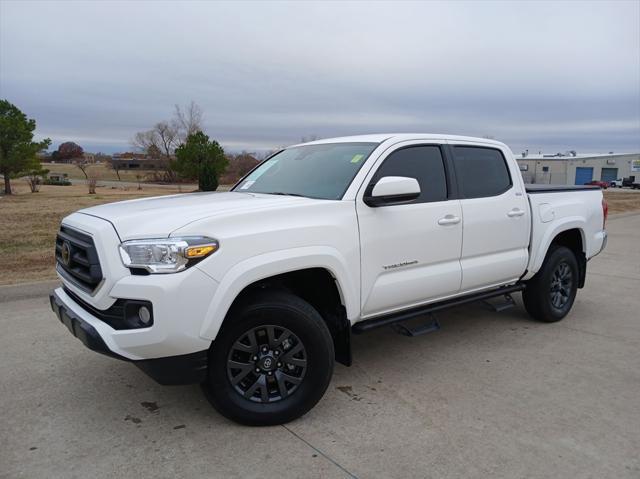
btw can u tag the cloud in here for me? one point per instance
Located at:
(266, 74)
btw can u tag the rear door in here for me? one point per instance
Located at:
(496, 218)
(410, 253)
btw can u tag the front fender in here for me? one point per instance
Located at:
(274, 263)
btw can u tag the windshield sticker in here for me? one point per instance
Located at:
(357, 158)
(247, 184)
(262, 169)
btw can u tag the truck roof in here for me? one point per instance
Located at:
(380, 137)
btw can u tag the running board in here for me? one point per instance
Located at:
(387, 319)
(405, 329)
(507, 303)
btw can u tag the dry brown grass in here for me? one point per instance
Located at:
(100, 171)
(29, 222)
(622, 201)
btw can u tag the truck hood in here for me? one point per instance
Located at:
(158, 217)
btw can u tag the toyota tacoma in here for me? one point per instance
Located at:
(255, 292)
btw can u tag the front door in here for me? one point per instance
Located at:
(410, 253)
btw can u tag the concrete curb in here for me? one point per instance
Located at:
(16, 292)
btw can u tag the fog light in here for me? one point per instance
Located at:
(144, 314)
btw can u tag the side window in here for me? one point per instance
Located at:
(425, 164)
(481, 171)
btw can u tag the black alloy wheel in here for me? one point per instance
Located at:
(561, 285)
(267, 363)
(550, 294)
(272, 360)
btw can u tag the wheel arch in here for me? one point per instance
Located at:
(574, 240)
(570, 234)
(321, 279)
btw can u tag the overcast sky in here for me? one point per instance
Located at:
(548, 76)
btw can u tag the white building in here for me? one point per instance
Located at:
(577, 169)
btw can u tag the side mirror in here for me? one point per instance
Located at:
(392, 190)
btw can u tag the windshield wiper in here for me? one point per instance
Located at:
(285, 194)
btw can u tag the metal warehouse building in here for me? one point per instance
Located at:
(577, 169)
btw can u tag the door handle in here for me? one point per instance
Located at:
(514, 213)
(449, 220)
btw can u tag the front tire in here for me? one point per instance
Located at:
(271, 362)
(550, 294)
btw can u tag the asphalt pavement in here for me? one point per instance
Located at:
(489, 395)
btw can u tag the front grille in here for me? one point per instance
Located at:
(77, 259)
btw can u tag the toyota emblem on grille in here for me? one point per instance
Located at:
(65, 253)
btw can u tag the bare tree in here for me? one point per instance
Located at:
(162, 138)
(146, 139)
(34, 178)
(115, 166)
(189, 120)
(83, 165)
(268, 153)
(237, 167)
(166, 136)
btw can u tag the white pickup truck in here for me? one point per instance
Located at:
(255, 292)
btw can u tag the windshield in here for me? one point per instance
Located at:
(316, 171)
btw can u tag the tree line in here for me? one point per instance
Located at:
(185, 150)
(180, 143)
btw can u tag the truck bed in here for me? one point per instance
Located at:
(556, 208)
(538, 188)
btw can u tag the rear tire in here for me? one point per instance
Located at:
(271, 362)
(550, 294)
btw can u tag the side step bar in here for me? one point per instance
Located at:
(506, 303)
(430, 326)
(387, 319)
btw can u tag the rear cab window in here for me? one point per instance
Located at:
(481, 171)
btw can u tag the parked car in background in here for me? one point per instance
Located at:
(616, 183)
(602, 184)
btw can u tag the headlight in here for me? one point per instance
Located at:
(166, 255)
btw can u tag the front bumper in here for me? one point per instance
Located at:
(80, 328)
(181, 369)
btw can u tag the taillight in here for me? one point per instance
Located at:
(605, 212)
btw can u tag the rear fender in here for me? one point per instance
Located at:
(539, 248)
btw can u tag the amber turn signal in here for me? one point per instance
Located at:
(199, 251)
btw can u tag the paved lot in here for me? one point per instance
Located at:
(490, 395)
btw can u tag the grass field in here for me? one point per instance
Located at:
(622, 201)
(98, 171)
(29, 222)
